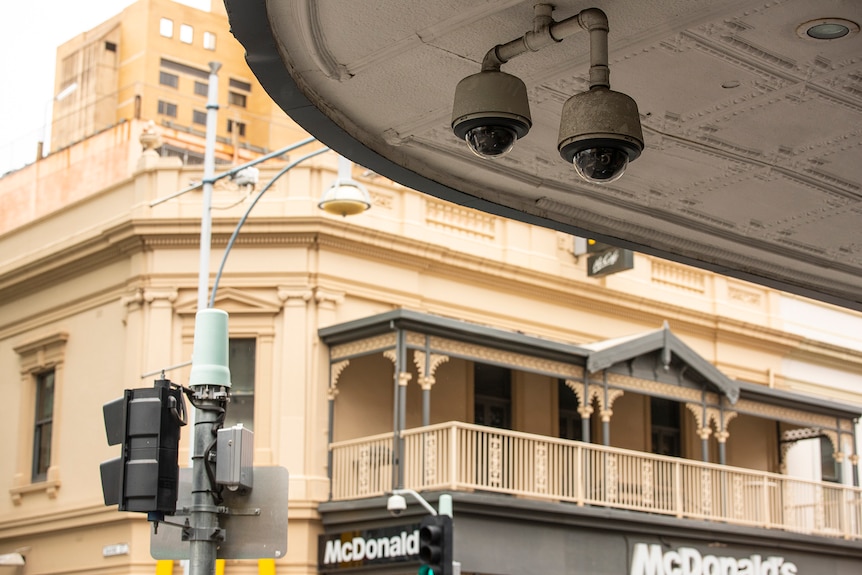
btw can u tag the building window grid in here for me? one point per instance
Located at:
(199, 117)
(202, 88)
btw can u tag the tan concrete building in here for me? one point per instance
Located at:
(649, 421)
(152, 61)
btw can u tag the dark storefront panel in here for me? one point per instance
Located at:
(511, 536)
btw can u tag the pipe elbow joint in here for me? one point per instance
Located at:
(593, 19)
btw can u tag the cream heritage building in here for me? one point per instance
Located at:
(658, 420)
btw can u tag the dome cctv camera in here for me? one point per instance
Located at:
(601, 165)
(491, 112)
(396, 505)
(600, 133)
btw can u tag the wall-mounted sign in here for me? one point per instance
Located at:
(658, 560)
(352, 549)
(115, 549)
(610, 261)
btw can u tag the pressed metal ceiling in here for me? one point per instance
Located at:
(753, 159)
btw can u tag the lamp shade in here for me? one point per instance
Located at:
(345, 198)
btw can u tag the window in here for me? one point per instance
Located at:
(236, 99)
(664, 415)
(167, 109)
(187, 34)
(168, 79)
(239, 85)
(43, 428)
(830, 469)
(241, 358)
(239, 127)
(202, 88)
(111, 46)
(166, 27)
(199, 117)
(570, 419)
(41, 364)
(492, 396)
(184, 69)
(209, 41)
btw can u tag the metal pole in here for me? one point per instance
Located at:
(204, 533)
(203, 515)
(209, 172)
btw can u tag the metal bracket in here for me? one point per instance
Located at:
(202, 534)
(249, 511)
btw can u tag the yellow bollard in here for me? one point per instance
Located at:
(164, 567)
(266, 566)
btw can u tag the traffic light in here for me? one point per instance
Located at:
(146, 421)
(435, 545)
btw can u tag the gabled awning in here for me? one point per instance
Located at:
(670, 349)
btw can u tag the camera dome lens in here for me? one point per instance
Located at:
(491, 141)
(601, 165)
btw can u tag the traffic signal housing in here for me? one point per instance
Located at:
(435, 545)
(146, 421)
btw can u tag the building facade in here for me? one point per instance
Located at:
(658, 420)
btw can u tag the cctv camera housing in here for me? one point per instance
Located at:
(396, 504)
(600, 128)
(491, 112)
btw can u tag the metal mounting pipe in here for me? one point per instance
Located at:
(546, 32)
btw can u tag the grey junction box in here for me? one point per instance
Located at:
(235, 457)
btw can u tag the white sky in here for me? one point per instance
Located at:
(28, 46)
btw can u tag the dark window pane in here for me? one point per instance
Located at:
(492, 380)
(830, 469)
(43, 425)
(167, 109)
(201, 88)
(235, 99)
(184, 69)
(492, 393)
(239, 84)
(239, 127)
(168, 79)
(45, 396)
(666, 436)
(570, 419)
(199, 117)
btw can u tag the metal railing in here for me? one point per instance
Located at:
(462, 456)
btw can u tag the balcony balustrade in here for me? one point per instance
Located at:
(464, 457)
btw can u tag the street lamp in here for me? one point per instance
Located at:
(346, 197)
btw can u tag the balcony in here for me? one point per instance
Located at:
(464, 457)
